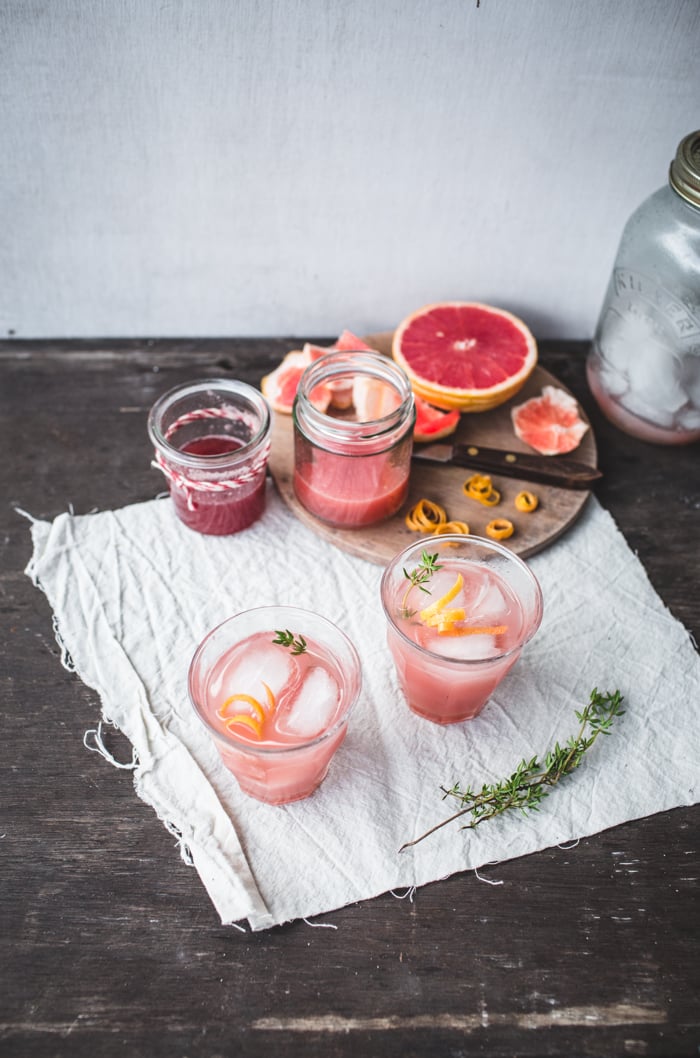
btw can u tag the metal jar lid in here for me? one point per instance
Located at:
(684, 174)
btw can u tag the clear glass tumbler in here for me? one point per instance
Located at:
(459, 611)
(274, 687)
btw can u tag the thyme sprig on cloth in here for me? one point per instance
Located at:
(533, 779)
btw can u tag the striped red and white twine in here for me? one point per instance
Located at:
(189, 485)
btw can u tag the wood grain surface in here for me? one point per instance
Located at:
(558, 508)
(109, 945)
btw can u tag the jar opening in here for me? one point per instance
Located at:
(210, 423)
(355, 398)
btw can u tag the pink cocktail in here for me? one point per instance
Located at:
(274, 687)
(353, 437)
(459, 611)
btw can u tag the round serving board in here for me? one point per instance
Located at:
(558, 508)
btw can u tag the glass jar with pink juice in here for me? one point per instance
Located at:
(274, 687)
(353, 437)
(459, 611)
(212, 442)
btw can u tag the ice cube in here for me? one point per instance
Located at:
(465, 648)
(492, 607)
(690, 378)
(688, 418)
(313, 705)
(261, 662)
(618, 341)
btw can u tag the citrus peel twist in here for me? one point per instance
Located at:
(526, 502)
(254, 719)
(479, 487)
(500, 529)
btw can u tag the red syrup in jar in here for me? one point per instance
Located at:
(227, 511)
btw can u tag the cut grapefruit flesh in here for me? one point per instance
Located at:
(280, 386)
(550, 423)
(464, 355)
(432, 424)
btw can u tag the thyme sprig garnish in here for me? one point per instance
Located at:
(533, 779)
(418, 577)
(285, 638)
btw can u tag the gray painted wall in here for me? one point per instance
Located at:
(259, 167)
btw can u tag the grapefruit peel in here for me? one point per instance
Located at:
(465, 355)
(550, 423)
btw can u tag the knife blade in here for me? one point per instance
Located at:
(547, 470)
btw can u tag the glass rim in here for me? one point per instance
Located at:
(230, 741)
(232, 387)
(340, 363)
(462, 538)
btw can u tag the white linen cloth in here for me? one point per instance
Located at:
(133, 593)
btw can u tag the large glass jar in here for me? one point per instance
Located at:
(353, 437)
(644, 365)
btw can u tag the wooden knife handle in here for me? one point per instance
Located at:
(548, 470)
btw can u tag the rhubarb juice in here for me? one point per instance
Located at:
(212, 441)
(225, 512)
(274, 687)
(459, 610)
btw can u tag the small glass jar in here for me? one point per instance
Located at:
(353, 438)
(212, 441)
(644, 365)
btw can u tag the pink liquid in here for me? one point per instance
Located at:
(351, 491)
(301, 729)
(632, 424)
(220, 513)
(448, 677)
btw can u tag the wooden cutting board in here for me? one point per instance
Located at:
(558, 508)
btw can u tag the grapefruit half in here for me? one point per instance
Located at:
(550, 423)
(465, 355)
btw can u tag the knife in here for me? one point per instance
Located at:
(547, 470)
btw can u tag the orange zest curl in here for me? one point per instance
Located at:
(526, 502)
(500, 529)
(255, 718)
(452, 527)
(479, 487)
(249, 721)
(426, 516)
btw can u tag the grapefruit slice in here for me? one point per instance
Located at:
(550, 423)
(433, 423)
(280, 386)
(465, 355)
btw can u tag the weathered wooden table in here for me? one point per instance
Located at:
(109, 942)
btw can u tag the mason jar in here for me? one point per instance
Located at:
(212, 442)
(644, 364)
(353, 438)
